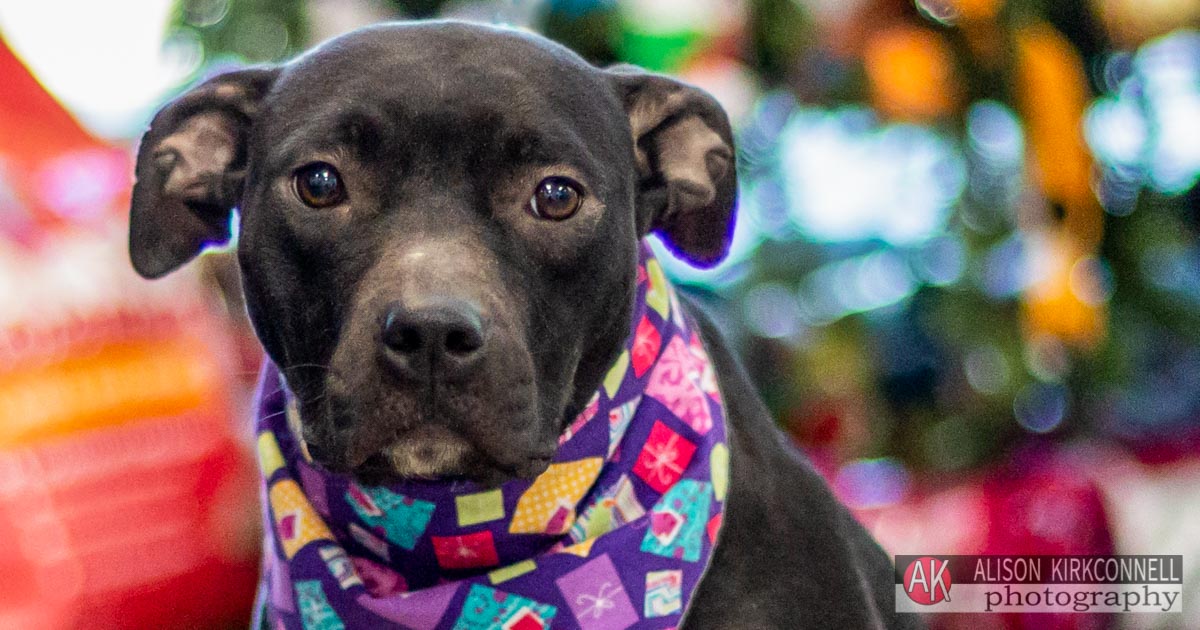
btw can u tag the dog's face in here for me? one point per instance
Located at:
(438, 236)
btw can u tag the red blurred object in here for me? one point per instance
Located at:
(127, 527)
(55, 172)
(127, 495)
(127, 492)
(1042, 500)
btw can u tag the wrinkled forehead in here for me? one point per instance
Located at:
(443, 89)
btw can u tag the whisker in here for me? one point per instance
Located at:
(308, 365)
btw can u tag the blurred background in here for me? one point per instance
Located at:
(966, 277)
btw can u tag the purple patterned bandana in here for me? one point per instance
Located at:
(616, 533)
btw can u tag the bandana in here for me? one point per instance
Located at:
(617, 532)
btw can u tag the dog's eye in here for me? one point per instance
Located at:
(319, 185)
(555, 198)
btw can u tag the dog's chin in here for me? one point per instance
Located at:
(437, 454)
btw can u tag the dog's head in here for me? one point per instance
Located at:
(438, 235)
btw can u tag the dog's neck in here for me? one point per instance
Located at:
(617, 531)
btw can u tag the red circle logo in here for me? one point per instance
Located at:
(927, 580)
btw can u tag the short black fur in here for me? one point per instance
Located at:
(439, 133)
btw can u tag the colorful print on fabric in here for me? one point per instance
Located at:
(618, 422)
(467, 551)
(626, 507)
(616, 375)
(282, 596)
(664, 457)
(676, 312)
(419, 610)
(714, 527)
(718, 461)
(596, 519)
(489, 609)
(481, 507)
(676, 384)
(615, 507)
(577, 546)
(581, 549)
(677, 522)
(596, 596)
(315, 611)
(315, 489)
(663, 593)
(548, 506)
(340, 566)
(646, 343)
(270, 458)
(657, 294)
(702, 371)
(370, 542)
(296, 523)
(402, 519)
(379, 580)
(582, 419)
(511, 571)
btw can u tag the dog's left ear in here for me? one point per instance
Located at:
(683, 144)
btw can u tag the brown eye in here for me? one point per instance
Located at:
(319, 185)
(555, 198)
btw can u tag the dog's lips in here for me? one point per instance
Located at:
(434, 453)
(429, 444)
(429, 452)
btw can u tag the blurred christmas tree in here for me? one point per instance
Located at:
(973, 222)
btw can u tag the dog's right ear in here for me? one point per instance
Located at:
(190, 169)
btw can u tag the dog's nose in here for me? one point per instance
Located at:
(442, 338)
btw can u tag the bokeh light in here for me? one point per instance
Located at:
(849, 178)
(1151, 121)
(1039, 407)
(872, 483)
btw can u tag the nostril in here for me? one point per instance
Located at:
(463, 341)
(401, 336)
(407, 340)
(435, 336)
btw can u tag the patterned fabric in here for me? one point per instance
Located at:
(615, 534)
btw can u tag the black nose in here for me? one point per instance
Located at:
(442, 338)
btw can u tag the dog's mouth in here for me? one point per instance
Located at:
(425, 453)
(379, 428)
(430, 453)
(440, 459)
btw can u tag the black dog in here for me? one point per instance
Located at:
(485, 189)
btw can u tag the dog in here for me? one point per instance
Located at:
(440, 240)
